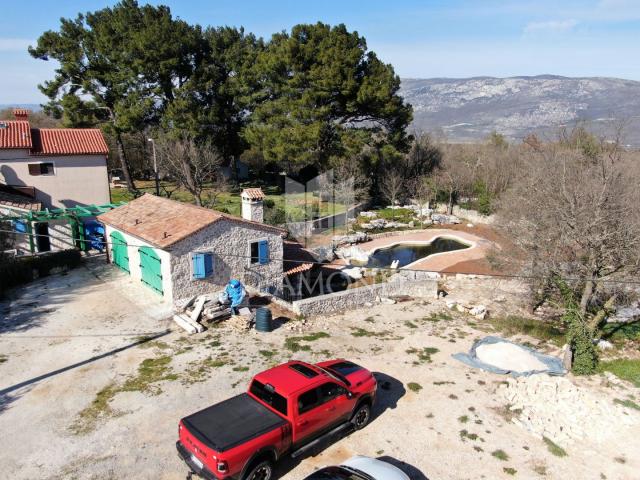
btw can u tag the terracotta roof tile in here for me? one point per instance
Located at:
(52, 141)
(163, 222)
(68, 141)
(299, 269)
(15, 134)
(295, 255)
(253, 193)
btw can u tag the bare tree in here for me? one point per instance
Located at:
(423, 157)
(456, 173)
(392, 186)
(424, 190)
(195, 166)
(350, 185)
(574, 209)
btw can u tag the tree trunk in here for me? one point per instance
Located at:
(190, 182)
(605, 311)
(450, 205)
(587, 292)
(233, 163)
(124, 163)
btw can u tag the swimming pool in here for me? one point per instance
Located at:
(407, 253)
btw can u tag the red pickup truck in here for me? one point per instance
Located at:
(287, 409)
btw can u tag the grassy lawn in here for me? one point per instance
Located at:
(229, 202)
(623, 368)
(540, 329)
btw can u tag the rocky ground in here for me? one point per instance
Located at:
(87, 393)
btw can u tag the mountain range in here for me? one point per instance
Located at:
(469, 109)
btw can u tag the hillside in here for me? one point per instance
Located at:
(470, 108)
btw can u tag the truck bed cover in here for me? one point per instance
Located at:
(232, 422)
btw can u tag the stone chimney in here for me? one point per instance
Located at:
(252, 208)
(21, 113)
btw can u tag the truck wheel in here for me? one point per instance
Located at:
(361, 417)
(261, 471)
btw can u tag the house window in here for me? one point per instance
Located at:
(259, 252)
(36, 169)
(202, 263)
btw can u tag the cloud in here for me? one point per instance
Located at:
(15, 44)
(550, 26)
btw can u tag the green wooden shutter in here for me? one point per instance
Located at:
(119, 251)
(151, 268)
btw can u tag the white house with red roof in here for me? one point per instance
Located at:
(67, 167)
(44, 168)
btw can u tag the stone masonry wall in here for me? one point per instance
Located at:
(230, 244)
(357, 297)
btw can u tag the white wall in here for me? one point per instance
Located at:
(78, 179)
(134, 261)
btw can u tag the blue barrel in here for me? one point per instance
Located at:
(264, 320)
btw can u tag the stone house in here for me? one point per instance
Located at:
(55, 168)
(180, 250)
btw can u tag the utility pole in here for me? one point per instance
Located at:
(155, 166)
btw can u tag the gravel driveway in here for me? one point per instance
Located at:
(93, 387)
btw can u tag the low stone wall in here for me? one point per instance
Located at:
(357, 297)
(397, 233)
(472, 216)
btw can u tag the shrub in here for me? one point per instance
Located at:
(19, 270)
(268, 203)
(275, 216)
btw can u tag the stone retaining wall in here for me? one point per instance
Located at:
(397, 233)
(357, 297)
(472, 216)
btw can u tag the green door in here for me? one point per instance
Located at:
(119, 251)
(150, 267)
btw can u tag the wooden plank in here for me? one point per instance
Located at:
(197, 309)
(184, 324)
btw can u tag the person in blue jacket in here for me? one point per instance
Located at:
(234, 293)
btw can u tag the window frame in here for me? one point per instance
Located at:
(272, 398)
(313, 406)
(324, 399)
(258, 258)
(53, 169)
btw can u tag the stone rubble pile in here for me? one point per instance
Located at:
(480, 312)
(555, 408)
(356, 237)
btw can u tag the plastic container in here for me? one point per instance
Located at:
(264, 320)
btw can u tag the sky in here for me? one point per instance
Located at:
(421, 39)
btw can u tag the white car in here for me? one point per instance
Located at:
(360, 468)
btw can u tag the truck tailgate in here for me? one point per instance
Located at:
(232, 422)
